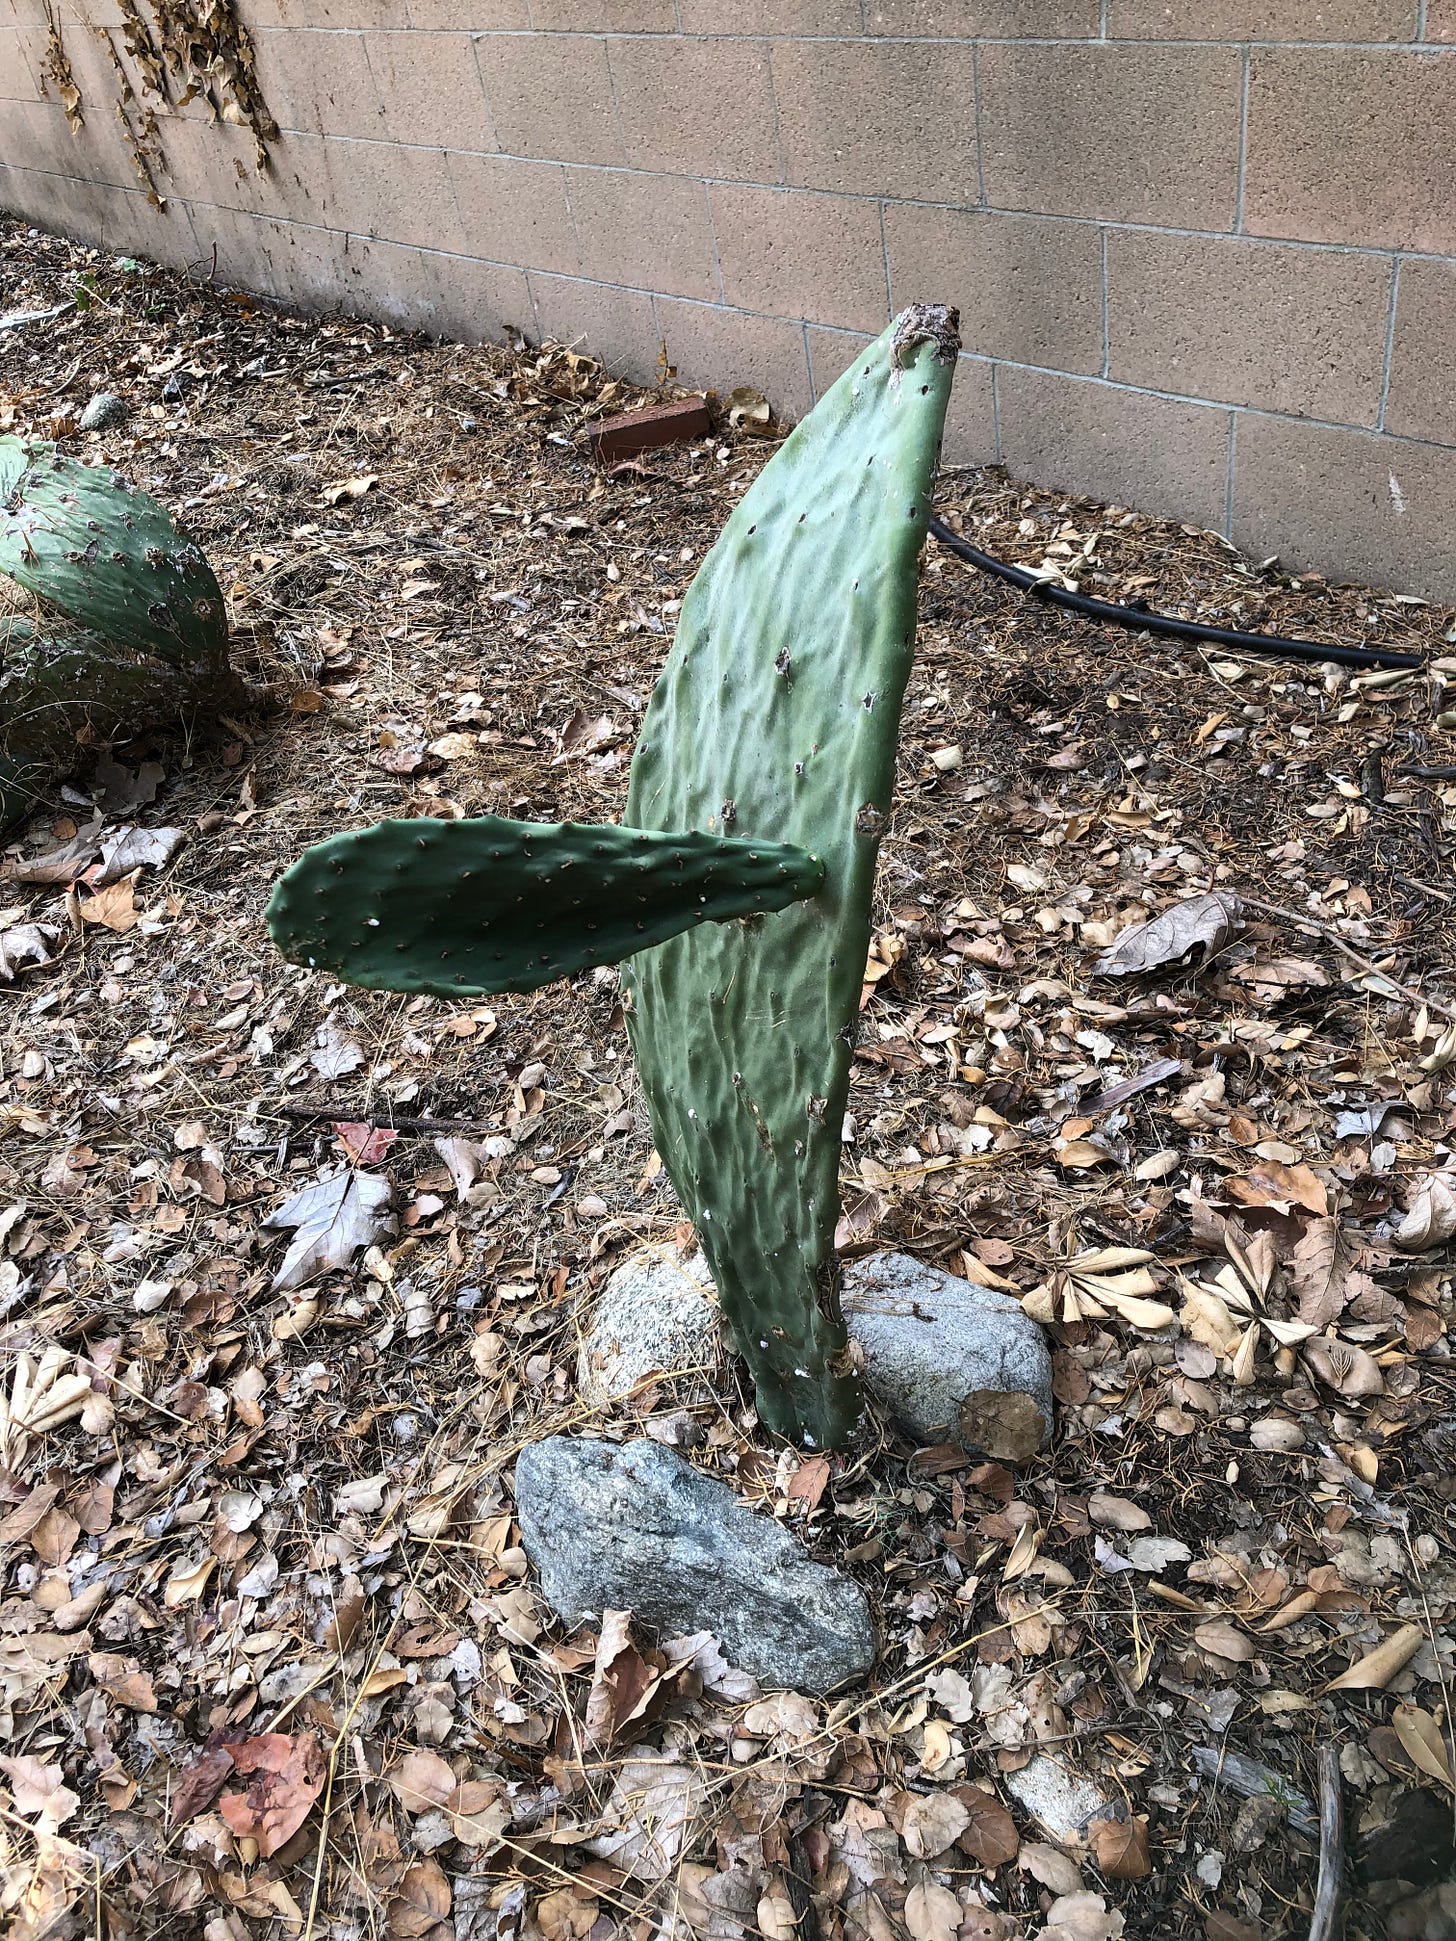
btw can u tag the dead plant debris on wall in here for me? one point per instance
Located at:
(271, 1658)
(55, 69)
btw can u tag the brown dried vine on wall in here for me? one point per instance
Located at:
(57, 67)
(190, 50)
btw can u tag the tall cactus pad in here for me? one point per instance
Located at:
(778, 712)
(459, 909)
(108, 555)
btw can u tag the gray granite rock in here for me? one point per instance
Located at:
(105, 411)
(950, 1360)
(631, 1526)
(657, 1314)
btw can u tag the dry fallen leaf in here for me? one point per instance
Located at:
(1120, 1847)
(124, 1680)
(1424, 1743)
(1205, 921)
(1430, 1222)
(932, 1912)
(990, 1835)
(1374, 1671)
(1344, 1366)
(287, 1777)
(624, 1683)
(421, 1904)
(421, 1779)
(38, 1791)
(334, 1218)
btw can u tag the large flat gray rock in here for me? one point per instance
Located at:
(950, 1360)
(632, 1527)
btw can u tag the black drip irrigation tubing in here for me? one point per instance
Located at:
(1140, 620)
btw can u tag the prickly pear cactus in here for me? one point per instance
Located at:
(133, 633)
(459, 909)
(108, 555)
(778, 713)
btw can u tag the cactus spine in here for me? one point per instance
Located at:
(778, 710)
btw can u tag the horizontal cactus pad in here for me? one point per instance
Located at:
(459, 909)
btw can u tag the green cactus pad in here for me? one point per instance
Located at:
(459, 909)
(108, 555)
(778, 710)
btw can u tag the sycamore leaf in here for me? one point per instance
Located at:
(1204, 922)
(287, 1776)
(334, 1218)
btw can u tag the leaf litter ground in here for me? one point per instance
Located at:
(290, 1273)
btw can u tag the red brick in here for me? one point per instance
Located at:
(697, 107)
(1076, 435)
(1422, 398)
(515, 212)
(616, 326)
(1027, 287)
(1350, 504)
(1309, 20)
(954, 20)
(878, 117)
(318, 83)
(1289, 329)
(649, 429)
(1352, 146)
(1129, 133)
(648, 230)
(798, 254)
(430, 90)
(721, 349)
(550, 96)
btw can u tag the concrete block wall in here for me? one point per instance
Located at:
(1204, 250)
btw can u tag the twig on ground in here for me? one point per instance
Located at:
(339, 1115)
(1315, 928)
(1324, 1922)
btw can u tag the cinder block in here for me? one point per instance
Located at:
(430, 91)
(1077, 435)
(400, 195)
(878, 117)
(604, 16)
(318, 83)
(1353, 146)
(480, 303)
(770, 16)
(1441, 20)
(1354, 505)
(719, 349)
(1311, 20)
(1298, 330)
(799, 254)
(615, 326)
(480, 16)
(393, 283)
(1027, 287)
(21, 51)
(1422, 399)
(1129, 133)
(356, 14)
(954, 20)
(697, 107)
(515, 212)
(651, 231)
(550, 96)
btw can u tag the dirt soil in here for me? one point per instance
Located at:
(272, 1662)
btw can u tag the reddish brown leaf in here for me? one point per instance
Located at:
(991, 1838)
(288, 1776)
(199, 1784)
(1120, 1848)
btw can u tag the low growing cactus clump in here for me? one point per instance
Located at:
(738, 891)
(130, 631)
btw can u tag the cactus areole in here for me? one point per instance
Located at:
(760, 789)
